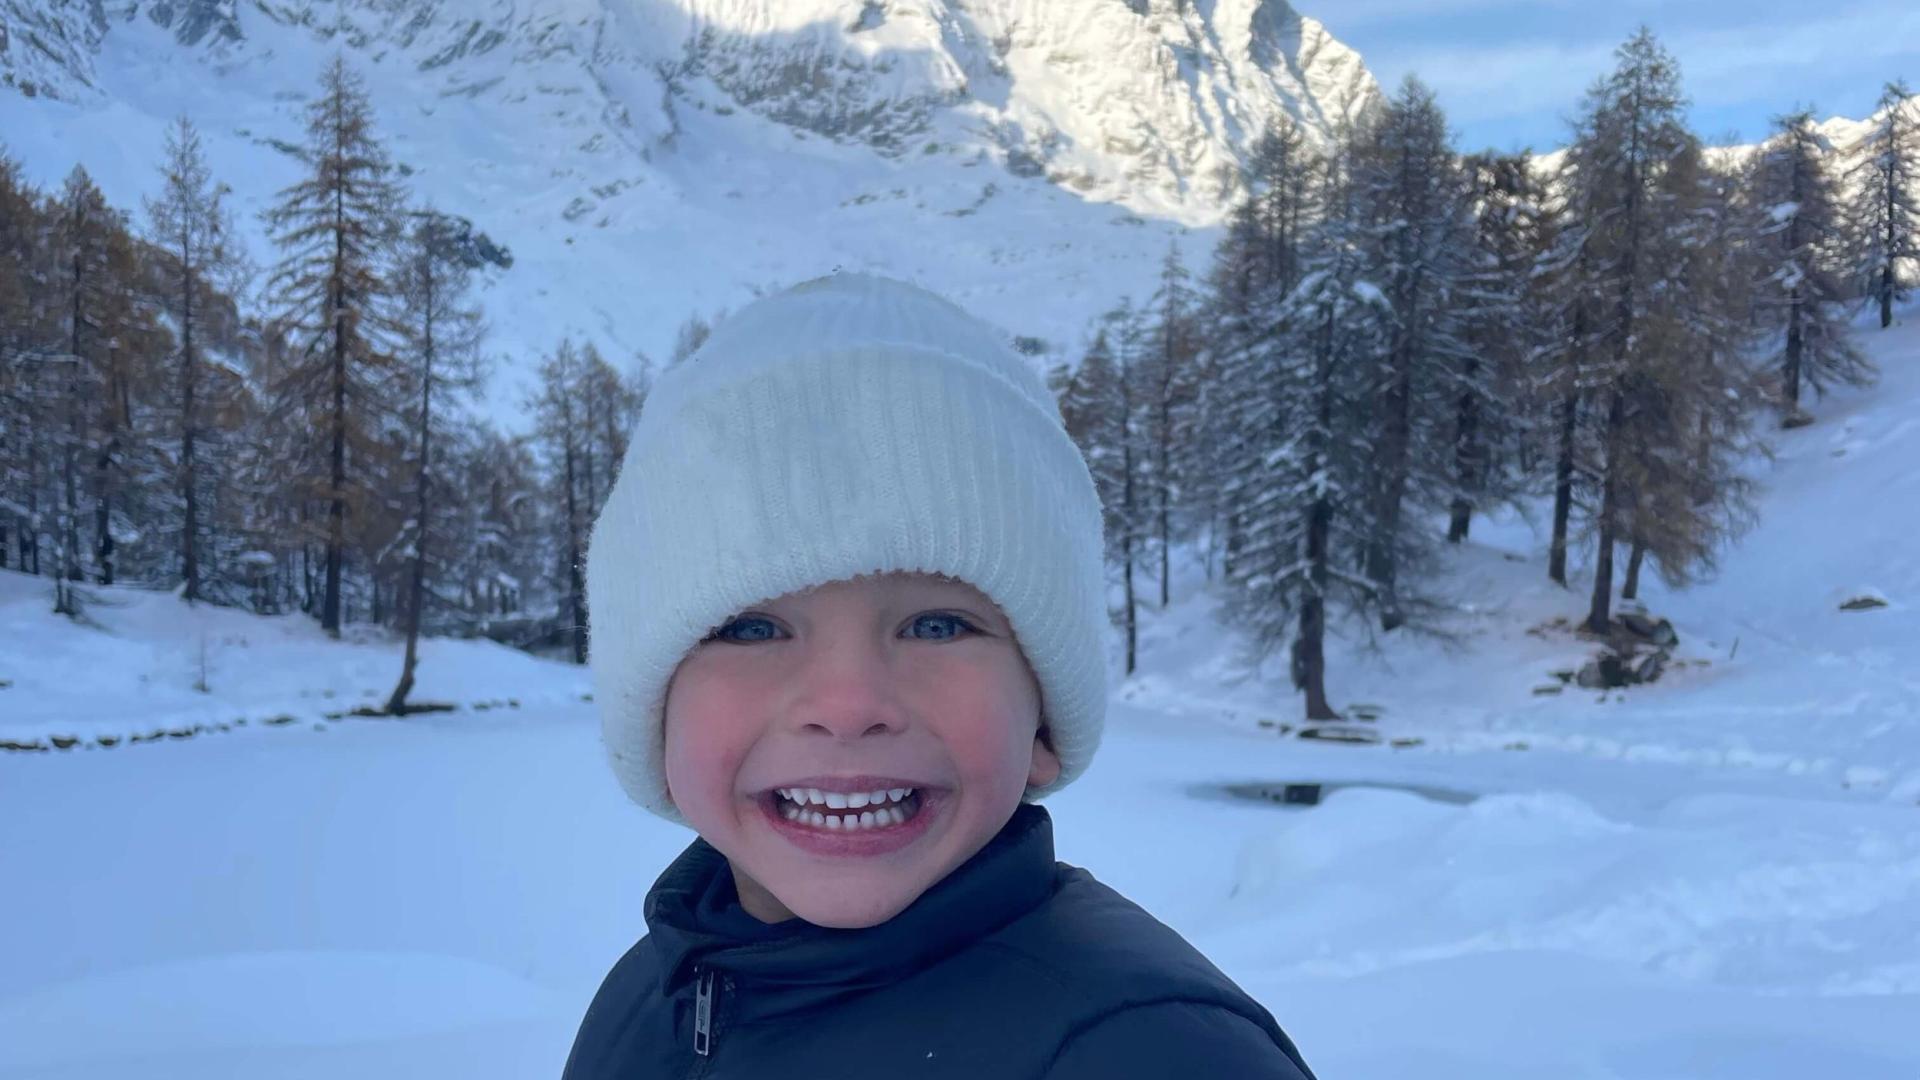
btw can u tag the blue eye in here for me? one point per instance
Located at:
(748, 629)
(749, 621)
(939, 618)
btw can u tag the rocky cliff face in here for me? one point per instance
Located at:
(1148, 103)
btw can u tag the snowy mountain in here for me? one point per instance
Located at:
(644, 159)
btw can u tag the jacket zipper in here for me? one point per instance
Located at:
(703, 1015)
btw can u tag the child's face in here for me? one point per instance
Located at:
(874, 684)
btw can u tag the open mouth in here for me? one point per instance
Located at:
(848, 811)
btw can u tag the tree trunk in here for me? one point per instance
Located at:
(190, 547)
(1383, 546)
(1563, 489)
(1311, 655)
(1600, 614)
(416, 589)
(1163, 481)
(576, 587)
(1126, 542)
(1630, 589)
(337, 499)
(1891, 239)
(1465, 457)
(1790, 376)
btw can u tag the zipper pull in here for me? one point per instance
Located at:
(703, 1015)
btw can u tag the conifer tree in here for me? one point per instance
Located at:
(1503, 310)
(1309, 495)
(1412, 204)
(1885, 211)
(1630, 129)
(1682, 490)
(559, 429)
(1256, 265)
(25, 271)
(1803, 239)
(1097, 410)
(439, 363)
(190, 223)
(1168, 377)
(334, 229)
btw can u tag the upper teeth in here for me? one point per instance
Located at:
(843, 800)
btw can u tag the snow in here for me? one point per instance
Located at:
(1715, 876)
(564, 142)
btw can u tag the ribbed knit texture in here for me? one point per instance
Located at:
(850, 425)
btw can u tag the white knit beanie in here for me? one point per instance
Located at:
(850, 425)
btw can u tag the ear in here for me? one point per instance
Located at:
(1045, 767)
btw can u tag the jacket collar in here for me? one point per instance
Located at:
(694, 917)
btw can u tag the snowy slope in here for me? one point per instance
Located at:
(645, 160)
(1715, 877)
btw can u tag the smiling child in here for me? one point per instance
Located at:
(848, 622)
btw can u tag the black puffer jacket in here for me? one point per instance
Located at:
(1013, 966)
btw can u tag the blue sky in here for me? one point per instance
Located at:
(1509, 72)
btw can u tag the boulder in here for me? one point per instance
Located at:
(1651, 630)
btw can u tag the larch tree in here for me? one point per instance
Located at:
(1169, 374)
(1630, 130)
(335, 229)
(1682, 489)
(1802, 294)
(559, 429)
(190, 223)
(1493, 396)
(1884, 178)
(1097, 409)
(1307, 495)
(1254, 267)
(439, 365)
(25, 273)
(1411, 203)
(89, 280)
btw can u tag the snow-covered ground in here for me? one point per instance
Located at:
(1715, 876)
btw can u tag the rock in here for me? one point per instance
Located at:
(1863, 603)
(1657, 631)
(1648, 668)
(1612, 670)
(1340, 733)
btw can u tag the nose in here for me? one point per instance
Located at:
(846, 689)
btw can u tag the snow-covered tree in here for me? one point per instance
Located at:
(1168, 378)
(191, 225)
(1411, 202)
(1307, 494)
(1103, 406)
(1256, 264)
(1505, 313)
(1802, 295)
(583, 414)
(1884, 177)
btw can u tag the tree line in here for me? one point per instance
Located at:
(318, 454)
(1393, 337)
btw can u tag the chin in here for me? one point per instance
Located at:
(849, 912)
